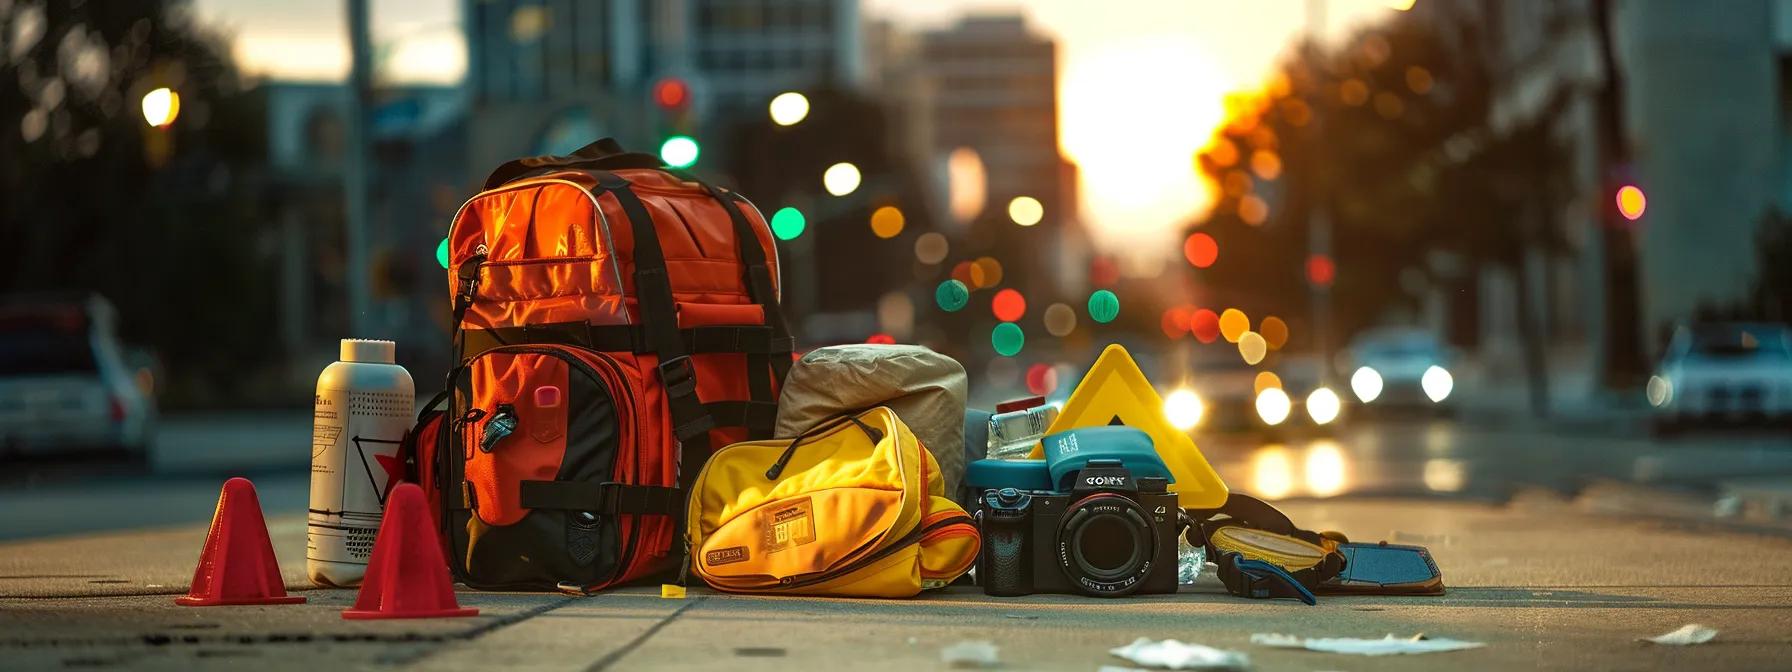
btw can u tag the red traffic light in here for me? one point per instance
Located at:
(1632, 202)
(672, 93)
(1321, 271)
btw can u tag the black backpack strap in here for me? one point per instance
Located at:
(605, 154)
(659, 319)
(766, 369)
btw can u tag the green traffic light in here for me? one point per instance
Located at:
(788, 223)
(680, 151)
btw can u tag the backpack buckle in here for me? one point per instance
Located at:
(679, 376)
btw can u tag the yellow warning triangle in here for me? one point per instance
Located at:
(1115, 391)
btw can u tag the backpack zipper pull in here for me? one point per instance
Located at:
(502, 424)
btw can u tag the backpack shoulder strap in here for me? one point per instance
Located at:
(605, 154)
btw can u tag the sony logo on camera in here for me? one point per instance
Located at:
(1105, 481)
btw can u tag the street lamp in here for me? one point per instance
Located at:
(160, 107)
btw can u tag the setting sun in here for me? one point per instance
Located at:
(1133, 116)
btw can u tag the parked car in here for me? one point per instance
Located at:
(1402, 368)
(66, 382)
(1724, 372)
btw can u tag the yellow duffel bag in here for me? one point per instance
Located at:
(854, 507)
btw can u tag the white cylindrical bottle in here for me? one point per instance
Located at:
(363, 408)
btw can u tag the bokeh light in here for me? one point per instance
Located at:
(1323, 405)
(1266, 164)
(1008, 339)
(1233, 324)
(680, 151)
(1205, 324)
(1632, 202)
(896, 313)
(841, 179)
(161, 107)
(788, 223)
(442, 253)
(1273, 406)
(881, 339)
(1253, 210)
(1437, 383)
(1104, 306)
(1252, 348)
(1104, 271)
(1366, 384)
(1175, 321)
(1275, 332)
(1200, 250)
(952, 295)
(1008, 305)
(966, 184)
(1060, 319)
(1659, 391)
(1042, 379)
(887, 222)
(986, 272)
(789, 108)
(1418, 80)
(1265, 380)
(1183, 408)
(962, 272)
(1321, 271)
(931, 248)
(1025, 210)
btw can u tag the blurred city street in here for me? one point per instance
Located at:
(1508, 282)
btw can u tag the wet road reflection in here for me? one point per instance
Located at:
(1444, 458)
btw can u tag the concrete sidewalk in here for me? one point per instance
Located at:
(1543, 583)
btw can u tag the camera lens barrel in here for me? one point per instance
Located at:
(1106, 544)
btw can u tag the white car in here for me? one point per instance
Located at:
(1402, 367)
(1726, 372)
(66, 384)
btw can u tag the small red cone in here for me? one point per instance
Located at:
(406, 576)
(237, 564)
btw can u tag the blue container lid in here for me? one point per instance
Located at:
(1066, 452)
(1017, 474)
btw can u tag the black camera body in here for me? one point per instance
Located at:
(1112, 533)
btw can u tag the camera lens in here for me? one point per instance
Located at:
(1105, 545)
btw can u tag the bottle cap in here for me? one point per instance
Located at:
(369, 352)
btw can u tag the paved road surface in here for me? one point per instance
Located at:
(1541, 583)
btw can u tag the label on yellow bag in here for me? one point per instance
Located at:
(788, 525)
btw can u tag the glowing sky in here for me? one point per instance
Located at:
(1141, 83)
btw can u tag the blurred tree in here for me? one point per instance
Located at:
(161, 220)
(1390, 136)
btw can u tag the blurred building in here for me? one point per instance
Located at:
(1705, 103)
(990, 85)
(419, 158)
(548, 77)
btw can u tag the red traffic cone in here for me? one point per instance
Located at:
(406, 576)
(237, 564)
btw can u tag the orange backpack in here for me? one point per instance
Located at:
(613, 321)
